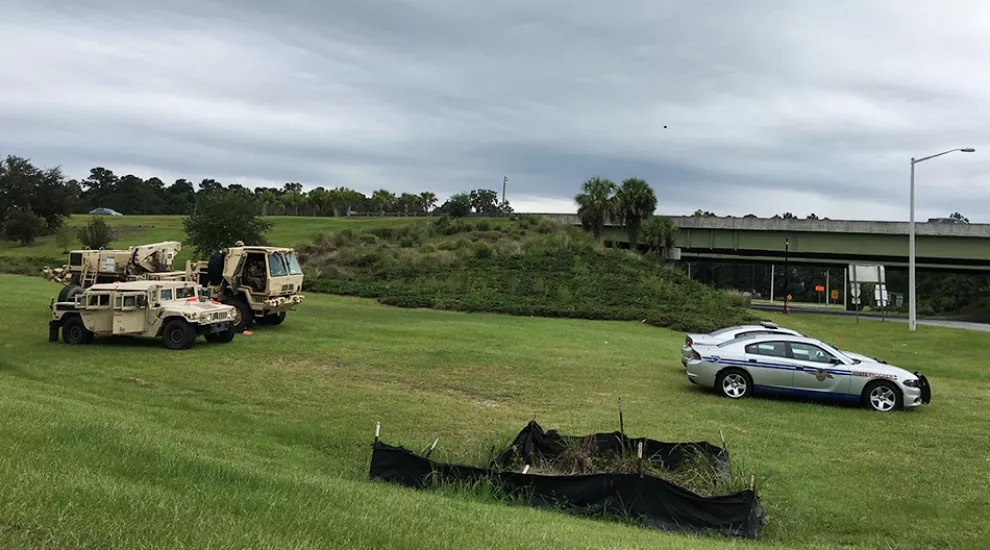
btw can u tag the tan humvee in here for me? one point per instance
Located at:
(262, 282)
(177, 311)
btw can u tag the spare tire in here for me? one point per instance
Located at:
(69, 292)
(214, 268)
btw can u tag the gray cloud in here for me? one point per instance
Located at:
(770, 106)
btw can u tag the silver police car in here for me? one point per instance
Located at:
(801, 366)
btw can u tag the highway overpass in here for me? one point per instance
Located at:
(942, 246)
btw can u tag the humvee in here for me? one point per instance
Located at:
(261, 282)
(176, 311)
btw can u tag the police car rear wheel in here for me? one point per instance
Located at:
(734, 384)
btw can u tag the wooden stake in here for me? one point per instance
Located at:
(752, 481)
(430, 449)
(525, 468)
(639, 453)
(378, 429)
(725, 448)
(622, 428)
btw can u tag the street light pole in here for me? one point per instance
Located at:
(787, 277)
(912, 293)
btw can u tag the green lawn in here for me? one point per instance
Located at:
(265, 442)
(135, 230)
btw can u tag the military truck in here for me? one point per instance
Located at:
(176, 311)
(262, 283)
(89, 267)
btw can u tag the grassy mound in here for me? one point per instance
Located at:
(524, 267)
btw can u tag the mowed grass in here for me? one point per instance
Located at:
(135, 230)
(265, 442)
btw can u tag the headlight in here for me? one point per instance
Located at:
(912, 383)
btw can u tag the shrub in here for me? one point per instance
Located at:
(407, 242)
(483, 250)
(97, 234)
(442, 223)
(63, 238)
(343, 238)
(367, 239)
(483, 225)
(737, 299)
(546, 227)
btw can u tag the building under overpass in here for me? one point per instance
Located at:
(941, 246)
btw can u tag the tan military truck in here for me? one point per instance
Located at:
(89, 267)
(176, 311)
(262, 283)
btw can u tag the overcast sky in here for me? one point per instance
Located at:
(769, 106)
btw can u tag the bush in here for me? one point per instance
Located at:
(96, 234)
(737, 299)
(483, 250)
(63, 238)
(442, 223)
(483, 225)
(367, 239)
(407, 242)
(23, 226)
(546, 227)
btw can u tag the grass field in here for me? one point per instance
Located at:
(265, 443)
(134, 230)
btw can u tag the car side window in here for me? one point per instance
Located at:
(772, 349)
(809, 352)
(166, 294)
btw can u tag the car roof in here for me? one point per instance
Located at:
(780, 338)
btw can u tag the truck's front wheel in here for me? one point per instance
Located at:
(243, 315)
(178, 334)
(74, 331)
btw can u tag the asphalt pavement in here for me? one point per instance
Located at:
(872, 316)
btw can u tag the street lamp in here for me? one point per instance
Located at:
(912, 298)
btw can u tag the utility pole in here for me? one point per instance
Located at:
(505, 182)
(787, 277)
(827, 295)
(773, 270)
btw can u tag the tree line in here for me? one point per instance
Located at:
(35, 201)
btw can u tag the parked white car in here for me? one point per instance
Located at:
(801, 366)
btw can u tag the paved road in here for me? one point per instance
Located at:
(980, 327)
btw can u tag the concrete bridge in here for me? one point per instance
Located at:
(943, 246)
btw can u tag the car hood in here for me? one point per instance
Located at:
(197, 306)
(873, 367)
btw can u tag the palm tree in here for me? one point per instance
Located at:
(637, 202)
(428, 201)
(659, 234)
(596, 205)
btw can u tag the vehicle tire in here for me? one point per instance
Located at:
(178, 334)
(734, 384)
(224, 337)
(243, 314)
(882, 396)
(274, 319)
(74, 331)
(69, 292)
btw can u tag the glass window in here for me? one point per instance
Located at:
(293, 261)
(276, 265)
(723, 331)
(130, 301)
(808, 352)
(185, 292)
(165, 294)
(104, 299)
(772, 349)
